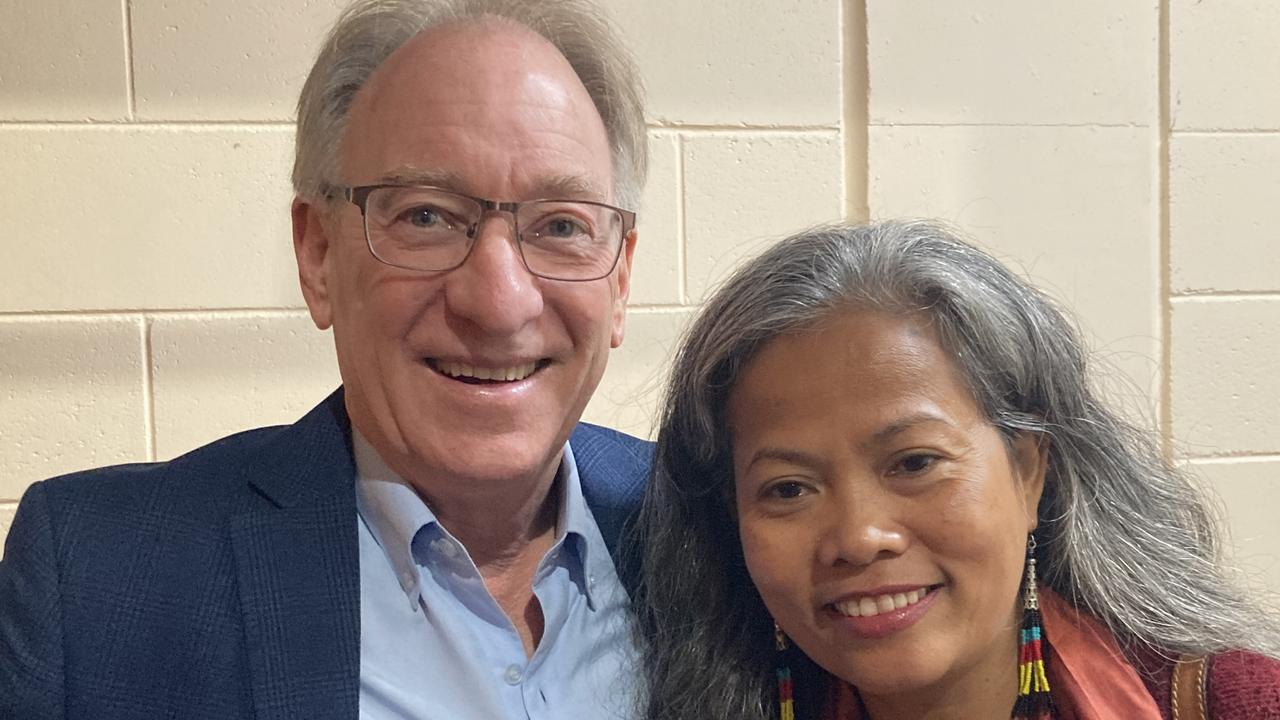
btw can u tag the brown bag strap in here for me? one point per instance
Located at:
(1187, 694)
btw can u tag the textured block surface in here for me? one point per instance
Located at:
(655, 278)
(62, 60)
(1225, 383)
(71, 397)
(631, 391)
(745, 191)
(991, 61)
(206, 59)
(1250, 490)
(6, 519)
(218, 375)
(754, 62)
(126, 218)
(1069, 207)
(1223, 212)
(1223, 64)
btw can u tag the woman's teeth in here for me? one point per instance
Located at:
(876, 604)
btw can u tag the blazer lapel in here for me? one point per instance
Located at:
(298, 568)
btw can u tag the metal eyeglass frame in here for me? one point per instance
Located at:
(359, 196)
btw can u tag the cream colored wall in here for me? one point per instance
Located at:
(1123, 153)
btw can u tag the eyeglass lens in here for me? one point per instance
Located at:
(428, 229)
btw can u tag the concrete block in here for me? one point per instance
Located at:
(210, 60)
(990, 61)
(1223, 212)
(71, 397)
(221, 374)
(736, 62)
(630, 394)
(745, 191)
(655, 277)
(1072, 208)
(1223, 64)
(129, 218)
(1224, 381)
(6, 520)
(1250, 492)
(62, 60)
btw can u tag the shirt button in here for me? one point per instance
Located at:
(513, 675)
(446, 548)
(591, 583)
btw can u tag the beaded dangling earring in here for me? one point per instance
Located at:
(786, 700)
(1034, 701)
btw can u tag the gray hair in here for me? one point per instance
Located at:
(369, 31)
(1122, 534)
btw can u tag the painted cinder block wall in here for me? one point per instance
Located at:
(1125, 154)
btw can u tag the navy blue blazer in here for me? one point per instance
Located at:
(222, 584)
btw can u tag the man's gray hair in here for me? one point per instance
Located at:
(1122, 533)
(369, 31)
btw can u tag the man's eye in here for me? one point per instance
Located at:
(425, 217)
(562, 227)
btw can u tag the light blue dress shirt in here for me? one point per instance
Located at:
(435, 644)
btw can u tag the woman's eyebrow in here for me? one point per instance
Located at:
(787, 455)
(902, 424)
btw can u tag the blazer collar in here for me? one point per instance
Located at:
(298, 568)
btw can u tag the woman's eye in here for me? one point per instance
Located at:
(786, 490)
(916, 463)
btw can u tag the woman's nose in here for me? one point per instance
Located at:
(860, 528)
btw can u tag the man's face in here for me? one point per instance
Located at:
(493, 111)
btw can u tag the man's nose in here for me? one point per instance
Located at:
(859, 528)
(493, 288)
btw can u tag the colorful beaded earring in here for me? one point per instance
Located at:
(786, 699)
(1034, 701)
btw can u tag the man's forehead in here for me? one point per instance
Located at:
(464, 53)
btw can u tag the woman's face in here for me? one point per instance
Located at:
(883, 518)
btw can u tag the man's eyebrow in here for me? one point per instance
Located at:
(568, 187)
(554, 187)
(409, 175)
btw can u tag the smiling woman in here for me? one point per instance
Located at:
(874, 438)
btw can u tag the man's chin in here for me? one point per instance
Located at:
(510, 460)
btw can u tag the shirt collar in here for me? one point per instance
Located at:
(395, 514)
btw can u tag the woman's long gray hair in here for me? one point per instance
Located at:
(1122, 534)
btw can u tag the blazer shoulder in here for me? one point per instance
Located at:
(613, 466)
(205, 474)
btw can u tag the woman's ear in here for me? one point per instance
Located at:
(1030, 459)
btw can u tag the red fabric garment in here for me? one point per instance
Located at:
(1089, 677)
(1241, 685)
(1092, 678)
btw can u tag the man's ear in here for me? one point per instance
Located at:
(1030, 458)
(311, 249)
(624, 289)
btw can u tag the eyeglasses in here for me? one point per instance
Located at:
(433, 230)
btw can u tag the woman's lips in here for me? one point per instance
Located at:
(883, 614)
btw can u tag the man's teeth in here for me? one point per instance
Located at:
(463, 370)
(876, 604)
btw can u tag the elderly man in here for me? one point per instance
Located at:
(437, 539)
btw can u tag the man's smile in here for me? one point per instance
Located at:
(480, 374)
